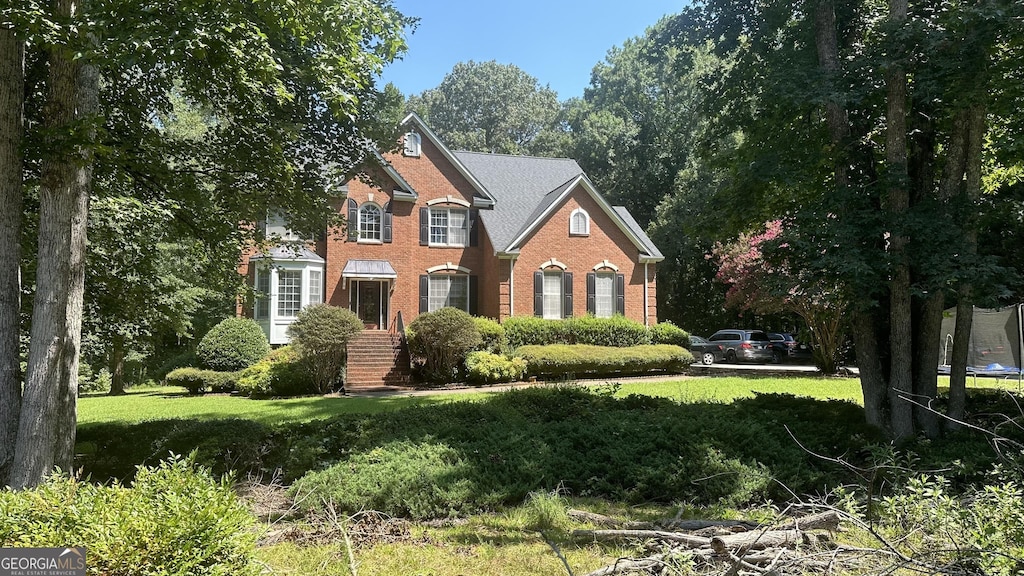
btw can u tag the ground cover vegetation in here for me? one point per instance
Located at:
(489, 455)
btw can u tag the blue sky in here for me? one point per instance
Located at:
(556, 41)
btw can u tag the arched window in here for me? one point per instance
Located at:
(370, 222)
(579, 223)
(412, 144)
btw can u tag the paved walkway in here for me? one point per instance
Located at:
(695, 370)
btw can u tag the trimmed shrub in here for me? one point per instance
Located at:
(198, 381)
(280, 373)
(617, 331)
(486, 368)
(233, 344)
(579, 359)
(527, 330)
(442, 339)
(320, 335)
(668, 333)
(174, 519)
(492, 335)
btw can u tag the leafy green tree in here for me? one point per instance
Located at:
(291, 89)
(492, 107)
(863, 129)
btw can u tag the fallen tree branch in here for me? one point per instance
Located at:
(626, 565)
(756, 540)
(689, 540)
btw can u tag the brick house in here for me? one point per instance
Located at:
(493, 234)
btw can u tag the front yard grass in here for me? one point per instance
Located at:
(638, 450)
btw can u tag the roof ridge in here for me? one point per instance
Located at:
(527, 156)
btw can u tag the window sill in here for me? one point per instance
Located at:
(578, 235)
(367, 241)
(447, 246)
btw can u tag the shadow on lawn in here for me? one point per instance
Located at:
(464, 456)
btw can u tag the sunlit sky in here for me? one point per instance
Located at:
(556, 41)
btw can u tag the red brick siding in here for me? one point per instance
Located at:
(580, 254)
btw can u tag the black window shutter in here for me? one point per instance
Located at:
(567, 294)
(538, 294)
(387, 223)
(353, 220)
(474, 228)
(473, 296)
(424, 226)
(352, 295)
(591, 293)
(424, 293)
(620, 294)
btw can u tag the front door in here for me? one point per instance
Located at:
(371, 303)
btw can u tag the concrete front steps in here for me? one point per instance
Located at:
(376, 359)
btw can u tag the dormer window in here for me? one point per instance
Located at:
(579, 223)
(412, 144)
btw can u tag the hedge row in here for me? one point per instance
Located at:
(579, 359)
(617, 331)
(199, 381)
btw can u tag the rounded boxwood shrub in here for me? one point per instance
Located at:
(198, 381)
(668, 333)
(321, 334)
(233, 344)
(486, 368)
(280, 373)
(442, 339)
(584, 359)
(492, 335)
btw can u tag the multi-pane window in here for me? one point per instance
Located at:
(289, 293)
(369, 222)
(276, 226)
(262, 308)
(604, 295)
(449, 227)
(552, 295)
(448, 290)
(412, 144)
(579, 222)
(316, 287)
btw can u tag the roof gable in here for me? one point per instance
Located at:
(483, 197)
(528, 190)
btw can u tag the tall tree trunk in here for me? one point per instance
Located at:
(897, 204)
(116, 365)
(46, 431)
(965, 304)
(872, 376)
(926, 362)
(12, 95)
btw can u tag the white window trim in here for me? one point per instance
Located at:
(412, 144)
(448, 278)
(380, 231)
(610, 295)
(448, 228)
(553, 263)
(449, 267)
(586, 223)
(274, 325)
(605, 264)
(558, 296)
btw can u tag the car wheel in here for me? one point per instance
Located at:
(730, 356)
(776, 357)
(708, 358)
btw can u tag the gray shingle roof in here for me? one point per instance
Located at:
(522, 186)
(635, 227)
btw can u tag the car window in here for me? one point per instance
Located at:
(757, 336)
(777, 337)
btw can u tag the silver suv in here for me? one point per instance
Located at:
(744, 345)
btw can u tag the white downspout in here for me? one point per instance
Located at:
(647, 316)
(512, 287)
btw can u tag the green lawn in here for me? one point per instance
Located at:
(162, 403)
(165, 403)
